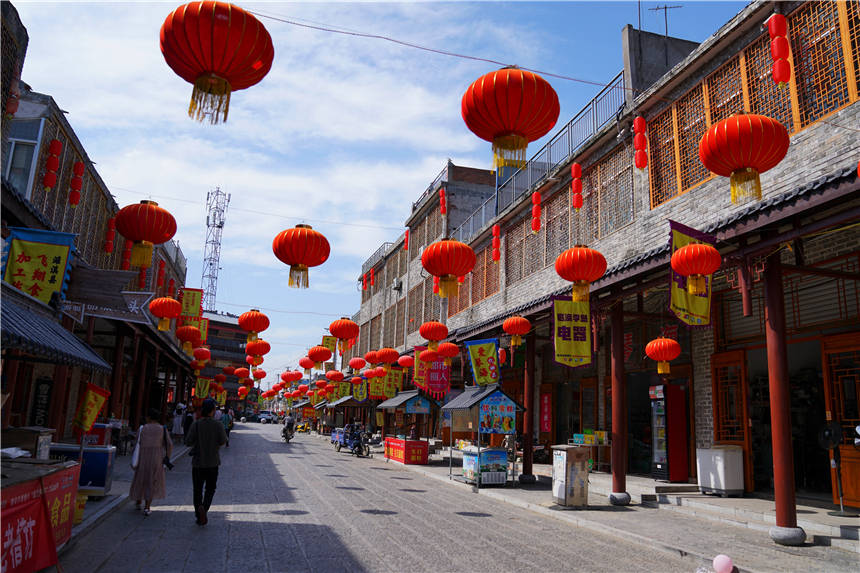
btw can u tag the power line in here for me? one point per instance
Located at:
(286, 311)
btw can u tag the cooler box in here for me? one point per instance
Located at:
(99, 435)
(97, 468)
(570, 475)
(721, 470)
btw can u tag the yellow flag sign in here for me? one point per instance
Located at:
(484, 359)
(37, 260)
(571, 331)
(692, 309)
(89, 407)
(191, 300)
(202, 389)
(330, 342)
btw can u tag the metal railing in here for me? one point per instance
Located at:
(602, 109)
(443, 176)
(375, 257)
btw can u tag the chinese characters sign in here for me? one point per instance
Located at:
(432, 377)
(692, 309)
(37, 261)
(89, 407)
(359, 391)
(393, 382)
(498, 415)
(191, 300)
(377, 388)
(330, 342)
(418, 405)
(546, 412)
(484, 359)
(202, 389)
(571, 331)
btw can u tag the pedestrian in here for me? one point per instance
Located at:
(227, 422)
(179, 422)
(188, 420)
(153, 446)
(205, 437)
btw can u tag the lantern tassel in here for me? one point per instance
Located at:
(448, 286)
(697, 284)
(662, 367)
(141, 254)
(433, 345)
(509, 151)
(516, 340)
(164, 324)
(746, 186)
(210, 99)
(186, 347)
(298, 276)
(580, 291)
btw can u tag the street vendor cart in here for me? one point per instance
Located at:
(407, 408)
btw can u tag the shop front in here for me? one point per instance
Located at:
(406, 426)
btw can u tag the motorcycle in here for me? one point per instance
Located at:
(286, 434)
(356, 441)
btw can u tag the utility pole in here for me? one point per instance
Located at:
(665, 10)
(216, 210)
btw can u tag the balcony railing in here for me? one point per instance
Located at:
(560, 149)
(442, 177)
(375, 257)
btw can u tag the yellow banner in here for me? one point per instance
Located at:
(202, 325)
(571, 331)
(359, 391)
(692, 309)
(344, 389)
(393, 382)
(377, 389)
(89, 407)
(37, 269)
(330, 342)
(484, 358)
(202, 389)
(421, 369)
(222, 397)
(191, 300)
(380, 419)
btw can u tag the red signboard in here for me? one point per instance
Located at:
(309, 412)
(406, 451)
(546, 412)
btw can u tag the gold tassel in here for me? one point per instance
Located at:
(141, 254)
(448, 286)
(210, 98)
(746, 186)
(580, 291)
(186, 347)
(433, 345)
(516, 340)
(164, 324)
(696, 284)
(509, 151)
(662, 367)
(298, 276)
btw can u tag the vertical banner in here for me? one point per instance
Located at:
(359, 391)
(390, 382)
(344, 389)
(191, 300)
(222, 397)
(691, 309)
(432, 377)
(546, 412)
(89, 407)
(202, 388)
(380, 419)
(330, 342)
(484, 360)
(37, 262)
(377, 389)
(571, 332)
(421, 369)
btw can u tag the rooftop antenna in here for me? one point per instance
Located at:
(216, 210)
(665, 10)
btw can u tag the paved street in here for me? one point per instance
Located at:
(303, 507)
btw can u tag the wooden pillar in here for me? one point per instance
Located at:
(115, 399)
(618, 495)
(10, 370)
(528, 416)
(56, 417)
(786, 531)
(137, 406)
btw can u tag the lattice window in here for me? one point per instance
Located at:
(819, 65)
(514, 248)
(853, 9)
(461, 301)
(729, 407)
(764, 95)
(615, 196)
(434, 225)
(432, 302)
(388, 326)
(534, 246)
(557, 210)
(416, 308)
(400, 316)
(586, 221)
(403, 262)
(691, 127)
(725, 92)
(391, 267)
(364, 338)
(491, 273)
(661, 158)
(375, 332)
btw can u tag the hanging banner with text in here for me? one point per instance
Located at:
(571, 332)
(691, 309)
(202, 388)
(89, 407)
(330, 342)
(546, 412)
(359, 391)
(432, 377)
(393, 382)
(376, 389)
(191, 300)
(37, 262)
(484, 360)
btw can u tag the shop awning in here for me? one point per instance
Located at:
(345, 401)
(398, 400)
(473, 395)
(33, 333)
(321, 405)
(301, 404)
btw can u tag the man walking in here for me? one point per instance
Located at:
(205, 437)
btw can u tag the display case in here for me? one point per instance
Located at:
(485, 466)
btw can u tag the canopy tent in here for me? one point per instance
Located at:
(346, 401)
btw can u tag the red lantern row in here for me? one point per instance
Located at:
(141, 278)
(160, 280)
(110, 236)
(52, 164)
(443, 202)
(406, 240)
(364, 282)
(576, 186)
(77, 183)
(777, 29)
(536, 212)
(497, 243)
(640, 142)
(126, 255)
(372, 277)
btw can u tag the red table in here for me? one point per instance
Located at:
(406, 451)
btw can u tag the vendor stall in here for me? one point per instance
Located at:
(325, 420)
(410, 411)
(485, 410)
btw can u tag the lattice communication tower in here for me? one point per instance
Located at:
(216, 211)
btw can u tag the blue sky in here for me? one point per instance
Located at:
(344, 132)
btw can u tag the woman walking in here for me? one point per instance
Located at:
(152, 447)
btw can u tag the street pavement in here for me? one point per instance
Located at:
(303, 507)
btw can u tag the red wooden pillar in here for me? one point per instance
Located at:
(619, 495)
(115, 399)
(528, 415)
(138, 407)
(56, 412)
(786, 531)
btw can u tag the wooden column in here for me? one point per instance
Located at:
(10, 370)
(786, 531)
(115, 398)
(56, 417)
(619, 495)
(528, 416)
(137, 405)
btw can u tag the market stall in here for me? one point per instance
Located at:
(410, 411)
(325, 420)
(484, 410)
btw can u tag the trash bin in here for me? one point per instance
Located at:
(570, 475)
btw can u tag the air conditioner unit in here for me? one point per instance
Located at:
(396, 284)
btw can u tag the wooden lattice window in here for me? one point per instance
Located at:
(400, 315)
(432, 303)
(615, 191)
(853, 24)
(729, 387)
(388, 326)
(461, 301)
(364, 338)
(765, 97)
(403, 261)
(661, 160)
(557, 221)
(691, 126)
(514, 249)
(375, 332)
(534, 249)
(416, 308)
(725, 91)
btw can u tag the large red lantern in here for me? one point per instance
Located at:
(242, 373)
(448, 259)
(259, 374)
(228, 370)
(220, 49)
(285, 377)
(434, 332)
(320, 383)
(253, 322)
(741, 147)
(301, 248)
(356, 380)
(258, 347)
(387, 356)
(220, 378)
(371, 357)
(510, 108)
(202, 354)
(334, 375)
(357, 363)
(187, 335)
(447, 351)
(517, 327)
(306, 363)
(582, 266)
(663, 350)
(406, 361)
(165, 308)
(147, 225)
(696, 261)
(428, 356)
(344, 330)
(319, 354)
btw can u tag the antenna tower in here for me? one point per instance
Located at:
(216, 212)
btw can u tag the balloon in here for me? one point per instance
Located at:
(723, 564)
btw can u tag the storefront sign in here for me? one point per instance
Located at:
(484, 360)
(359, 391)
(27, 544)
(37, 262)
(201, 390)
(129, 310)
(571, 331)
(546, 412)
(191, 300)
(498, 415)
(89, 407)
(41, 401)
(691, 309)
(418, 405)
(309, 412)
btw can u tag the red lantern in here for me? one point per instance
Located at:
(228, 370)
(220, 49)
(434, 332)
(141, 279)
(428, 356)
(406, 240)
(582, 266)
(301, 248)
(576, 201)
(387, 356)
(741, 147)
(259, 374)
(253, 360)
(253, 322)
(242, 373)
(285, 377)
(371, 357)
(147, 225)
(258, 347)
(202, 354)
(357, 363)
(165, 308)
(319, 354)
(517, 327)
(220, 378)
(497, 243)
(443, 203)
(436, 285)
(52, 164)
(320, 383)
(187, 335)
(503, 355)
(510, 108)
(448, 259)
(372, 277)
(307, 364)
(536, 212)
(370, 373)
(663, 350)
(777, 28)
(126, 255)
(696, 261)
(640, 142)
(303, 388)
(447, 351)
(356, 380)
(334, 375)
(344, 330)
(110, 235)
(406, 361)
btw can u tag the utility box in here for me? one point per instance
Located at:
(570, 475)
(721, 470)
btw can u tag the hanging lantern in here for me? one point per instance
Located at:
(443, 202)
(364, 282)
(428, 356)
(196, 366)
(220, 49)
(741, 147)
(503, 355)
(285, 377)
(110, 235)
(301, 248)
(536, 212)
(171, 287)
(447, 351)
(448, 259)
(517, 327)
(436, 286)
(497, 243)
(220, 378)
(253, 322)
(52, 164)
(370, 373)
(406, 361)
(165, 308)
(307, 364)
(510, 108)
(356, 380)
(380, 372)
(344, 330)
(259, 374)
(141, 278)
(663, 350)
(696, 261)
(371, 357)
(640, 143)
(434, 332)
(187, 335)
(406, 240)
(357, 363)
(576, 186)
(253, 360)
(777, 29)
(334, 375)
(387, 356)
(303, 388)
(160, 278)
(319, 354)
(320, 383)
(76, 183)
(147, 225)
(242, 373)
(258, 347)
(228, 370)
(126, 255)
(582, 266)
(202, 354)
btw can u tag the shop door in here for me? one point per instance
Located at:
(731, 412)
(841, 361)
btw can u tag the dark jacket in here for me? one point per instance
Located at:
(204, 437)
